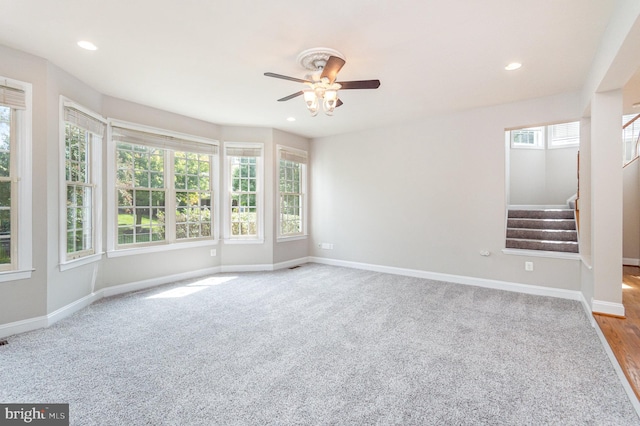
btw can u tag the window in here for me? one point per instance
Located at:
(532, 137)
(15, 180)
(165, 186)
(292, 169)
(83, 132)
(564, 134)
(193, 195)
(244, 186)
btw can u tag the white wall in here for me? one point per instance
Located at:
(429, 195)
(542, 176)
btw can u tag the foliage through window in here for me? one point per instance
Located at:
(243, 171)
(82, 137)
(164, 188)
(15, 178)
(141, 194)
(291, 190)
(193, 195)
(7, 202)
(244, 201)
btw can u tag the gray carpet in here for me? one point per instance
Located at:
(320, 345)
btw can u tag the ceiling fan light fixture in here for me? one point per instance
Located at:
(330, 101)
(311, 100)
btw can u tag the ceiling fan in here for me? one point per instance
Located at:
(324, 65)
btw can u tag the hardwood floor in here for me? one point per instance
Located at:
(623, 334)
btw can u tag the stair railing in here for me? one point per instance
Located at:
(636, 154)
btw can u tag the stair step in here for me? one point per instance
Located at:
(541, 214)
(545, 245)
(566, 224)
(543, 234)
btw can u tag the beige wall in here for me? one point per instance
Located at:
(430, 195)
(51, 289)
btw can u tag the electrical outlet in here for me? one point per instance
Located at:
(213, 252)
(528, 266)
(327, 246)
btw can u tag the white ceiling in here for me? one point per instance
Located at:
(206, 58)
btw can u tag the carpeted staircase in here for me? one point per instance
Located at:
(542, 229)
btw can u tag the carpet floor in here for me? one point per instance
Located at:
(320, 345)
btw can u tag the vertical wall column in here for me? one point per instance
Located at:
(606, 202)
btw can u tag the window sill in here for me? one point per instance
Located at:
(70, 264)
(247, 241)
(15, 275)
(292, 238)
(160, 248)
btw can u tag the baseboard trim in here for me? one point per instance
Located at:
(630, 261)
(23, 326)
(154, 282)
(607, 308)
(290, 263)
(247, 268)
(72, 308)
(458, 279)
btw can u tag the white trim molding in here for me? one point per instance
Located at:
(607, 308)
(630, 261)
(458, 279)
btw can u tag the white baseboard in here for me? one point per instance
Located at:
(154, 282)
(247, 268)
(23, 326)
(72, 308)
(458, 279)
(290, 263)
(31, 324)
(607, 308)
(630, 261)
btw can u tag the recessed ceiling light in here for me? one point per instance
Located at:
(513, 66)
(291, 119)
(87, 45)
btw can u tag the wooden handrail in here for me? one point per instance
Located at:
(630, 122)
(630, 161)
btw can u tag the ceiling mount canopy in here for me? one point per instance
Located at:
(324, 64)
(316, 59)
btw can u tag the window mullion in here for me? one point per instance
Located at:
(170, 197)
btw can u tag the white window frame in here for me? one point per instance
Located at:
(21, 266)
(553, 143)
(67, 260)
(170, 242)
(253, 239)
(281, 152)
(539, 138)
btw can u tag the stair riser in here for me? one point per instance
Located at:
(564, 247)
(541, 214)
(565, 224)
(535, 234)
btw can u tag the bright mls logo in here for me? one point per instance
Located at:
(34, 414)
